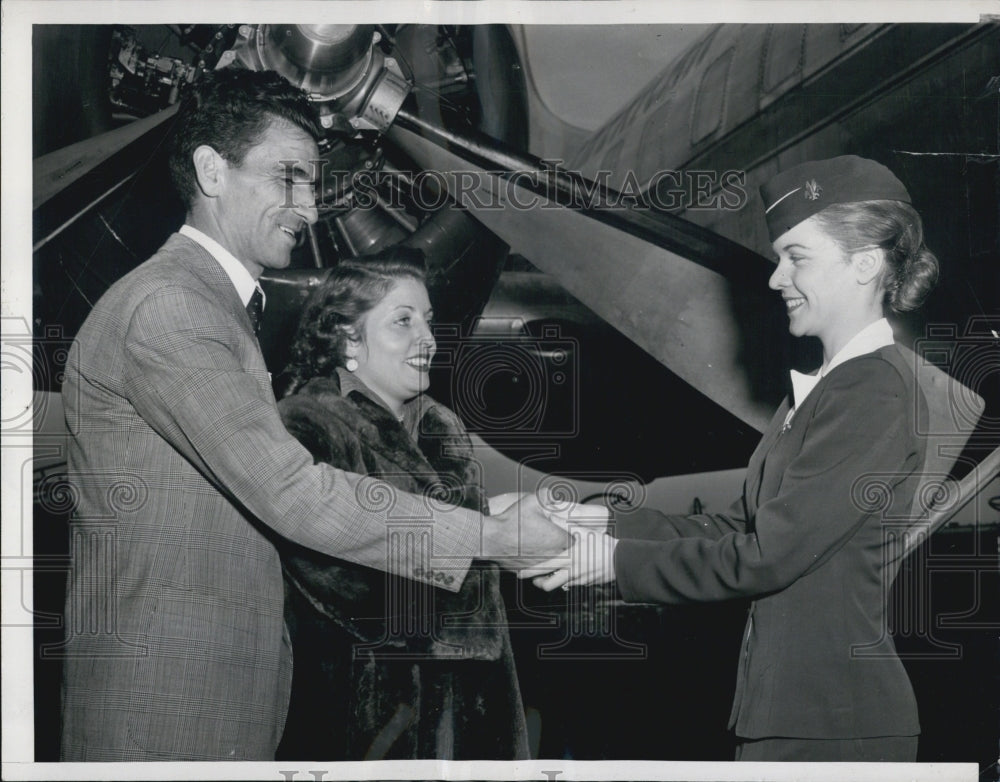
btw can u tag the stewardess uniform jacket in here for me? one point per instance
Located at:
(808, 542)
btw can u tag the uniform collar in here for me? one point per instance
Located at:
(872, 337)
(242, 280)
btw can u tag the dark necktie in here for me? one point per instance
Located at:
(255, 310)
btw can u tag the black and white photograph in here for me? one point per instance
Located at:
(501, 390)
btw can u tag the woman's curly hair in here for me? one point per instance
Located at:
(336, 309)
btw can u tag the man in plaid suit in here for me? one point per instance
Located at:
(176, 648)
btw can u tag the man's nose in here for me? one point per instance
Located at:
(305, 204)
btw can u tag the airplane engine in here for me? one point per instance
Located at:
(370, 195)
(353, 83)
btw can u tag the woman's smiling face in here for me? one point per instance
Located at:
(395, 352)
(820, 286)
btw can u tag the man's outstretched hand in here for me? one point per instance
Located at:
(524, 533)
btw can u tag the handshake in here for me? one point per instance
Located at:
(556, 543)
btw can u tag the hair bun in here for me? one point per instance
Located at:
(916, 281)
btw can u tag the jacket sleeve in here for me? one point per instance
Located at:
(650, 524)
(860, 426)
(185, 380)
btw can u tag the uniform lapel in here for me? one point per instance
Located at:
(755, 467)
(781, 445)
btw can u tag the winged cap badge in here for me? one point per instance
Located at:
(813, 190)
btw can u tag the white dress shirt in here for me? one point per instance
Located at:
(242, 280)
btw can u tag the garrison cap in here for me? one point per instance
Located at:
(803, 190)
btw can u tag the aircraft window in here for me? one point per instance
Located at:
(783, 57)
(651, 150)
(710, 101)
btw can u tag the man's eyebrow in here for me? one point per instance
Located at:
(295, 168)
(788, 247)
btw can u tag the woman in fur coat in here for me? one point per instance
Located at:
(389, 667)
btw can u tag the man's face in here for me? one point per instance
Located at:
(269, 200)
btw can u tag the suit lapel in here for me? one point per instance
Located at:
(197, 263)
(200, 263)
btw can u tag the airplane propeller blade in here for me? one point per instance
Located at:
(55, 171)
(685, 295)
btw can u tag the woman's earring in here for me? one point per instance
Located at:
(351, 364)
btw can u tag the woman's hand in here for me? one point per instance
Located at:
(589, 560)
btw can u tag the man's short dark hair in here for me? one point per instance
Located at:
(229, 110)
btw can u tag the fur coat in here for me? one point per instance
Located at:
(387, 667)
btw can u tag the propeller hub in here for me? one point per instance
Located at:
(326, 60)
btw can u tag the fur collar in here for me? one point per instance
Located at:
(358, 434)
(439, 461)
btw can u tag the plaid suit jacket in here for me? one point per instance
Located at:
(184, 475)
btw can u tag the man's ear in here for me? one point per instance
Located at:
(210, 169)
(868, 264)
